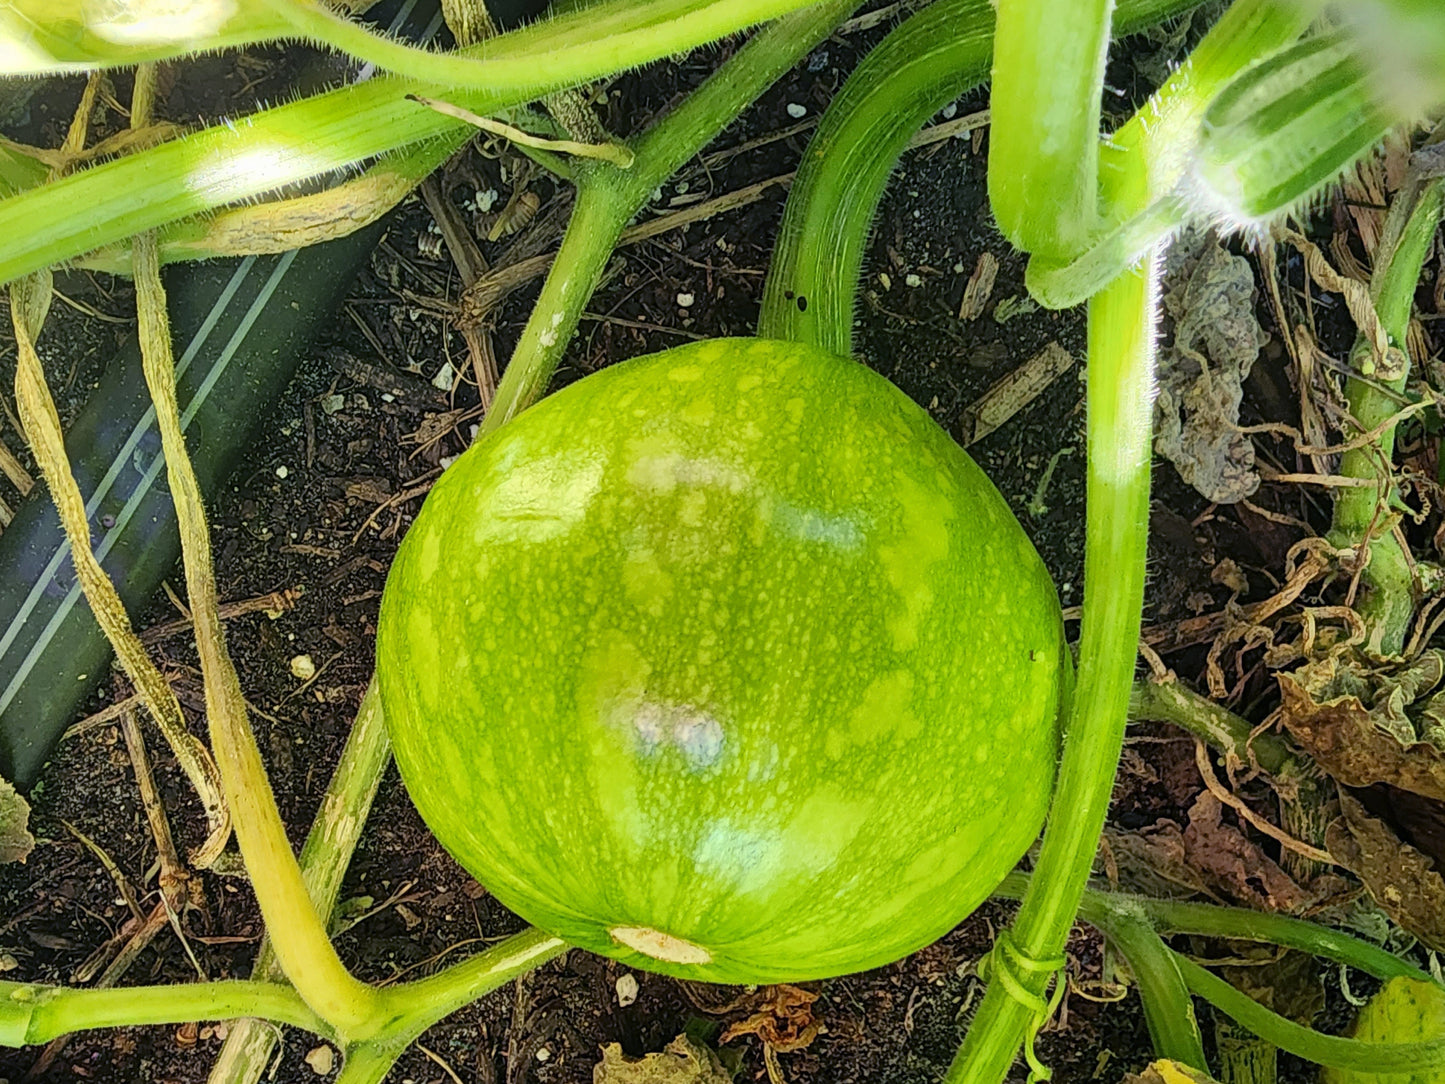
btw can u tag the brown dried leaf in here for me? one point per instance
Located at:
(1236, 864)
(784, 1020)
(1152, 861)
(1346, 740)
(1404, 882)
(682, 1061)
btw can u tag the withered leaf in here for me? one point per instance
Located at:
(784, 1020)
(1344, 738)
(16, 842)
(1404, 882)
(1235, 863)
(682, 1061)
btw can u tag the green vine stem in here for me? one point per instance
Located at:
(36, 1014)
(1122, 329)
(926, 62)
(1119, 395)
(1171, 917)
(335, 131)
(1331, 1050)
(1363, 516)
(1173, 702)
(1168, 1011)
(608, 198)
(324, 858)
(615, 34)
(577, 46)
(1043, 147)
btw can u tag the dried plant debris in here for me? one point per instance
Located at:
(1367, 723)
(784, 1021)
(682, 1061)
(1403, 881)
(1166, 1071)
(16, 842)
(1214, 857)
(1209, 297)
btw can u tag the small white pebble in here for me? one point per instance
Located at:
(332, 403)
(950, 111)
(387, 397)
(626, 989)
(322, 1060)
(486, 200)
(446, 461)
(443, 380)
(912, 280)
(543, 1054)
(884, 280)
(10, 963)
(303, 667)
(958, 268)
(281, 472)
(797, 110)
(684, 301)
(473, 431)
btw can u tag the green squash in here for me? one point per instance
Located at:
(728, 663)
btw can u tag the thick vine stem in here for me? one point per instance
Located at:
(1043, 154)
(341, 129)
(926, 62)
(608, 197)
(324, 858)
(1362, 515)
(1169, 917)
(1331, 1050)
(1120, 382)
(31, 1014)
(1173, 702)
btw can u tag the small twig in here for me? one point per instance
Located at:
(116, 874)
(274, 602)
(396, 499)
(440, 1061)
(618, 154)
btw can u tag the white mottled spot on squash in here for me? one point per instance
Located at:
(540, 499)
(659, 945)
(884, 710)
(685, 374)
(921, 542)
(749, 382)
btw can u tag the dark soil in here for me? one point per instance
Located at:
(315, 509)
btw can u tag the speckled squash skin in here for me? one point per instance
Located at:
(728, 663)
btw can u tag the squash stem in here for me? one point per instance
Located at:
(31, 1014)
(1363, 515)
(1372, 1059)
(925, 63)
(608, 197)
(1120, 379)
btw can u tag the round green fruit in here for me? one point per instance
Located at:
(728, 663)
